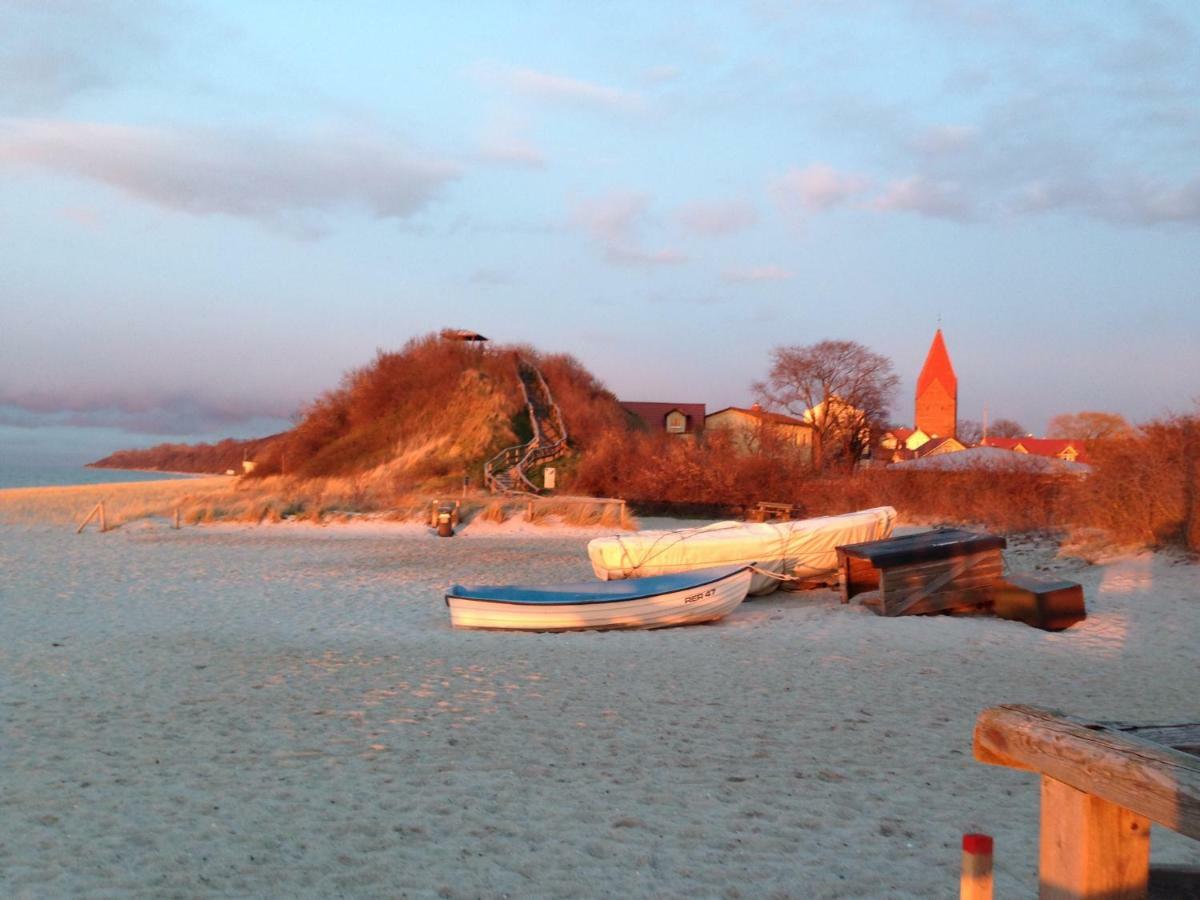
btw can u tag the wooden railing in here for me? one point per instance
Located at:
(506, 471)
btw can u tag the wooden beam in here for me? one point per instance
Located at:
(1090, 849)
(1150, 779)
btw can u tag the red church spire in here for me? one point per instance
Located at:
(937, 368)
(937, 392)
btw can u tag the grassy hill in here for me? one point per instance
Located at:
(427, 414)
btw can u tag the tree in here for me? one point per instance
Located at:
(1006, 428)
(841, 388)
(1088, 426)
(969, 432)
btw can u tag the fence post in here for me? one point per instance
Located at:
(88, 518)
(976, 881)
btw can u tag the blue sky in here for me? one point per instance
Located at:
(209, 211)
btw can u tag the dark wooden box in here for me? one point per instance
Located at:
(1046, 603)
(948, 570)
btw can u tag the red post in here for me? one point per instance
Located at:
(976, 867)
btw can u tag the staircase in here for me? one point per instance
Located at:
(505, 472)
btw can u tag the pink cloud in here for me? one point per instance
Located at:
(555, 88)
(758, 274)
(817, 188)
(712, 219)
(929, 197)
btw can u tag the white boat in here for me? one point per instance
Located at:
(804, 550)
(658, 602)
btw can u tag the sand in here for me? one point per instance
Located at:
(285, 711)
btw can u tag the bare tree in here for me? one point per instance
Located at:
(1007, 428)
(841, 388)
(969, 432)
(1088, 426)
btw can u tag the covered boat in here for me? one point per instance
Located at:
(657, 602)
(803, 550)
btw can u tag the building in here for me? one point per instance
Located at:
(682, 419)
(1066, 449)
(937, 393)
(749, 427)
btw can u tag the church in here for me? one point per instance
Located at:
(936, 409)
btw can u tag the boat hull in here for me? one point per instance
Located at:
(700, 601)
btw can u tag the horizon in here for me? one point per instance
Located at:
(216, 211)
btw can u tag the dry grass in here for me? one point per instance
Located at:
(255, 501)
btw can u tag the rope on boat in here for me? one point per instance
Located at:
(669, 539)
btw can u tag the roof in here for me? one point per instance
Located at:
(654, 414)
(461, 334)
(1038, 446)
(932, 445)
(997, 460)
(765, 415)
(937, 367)
(901, 434)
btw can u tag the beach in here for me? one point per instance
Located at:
(284, 710)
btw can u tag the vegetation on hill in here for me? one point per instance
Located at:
(423, 416)
(201, 458)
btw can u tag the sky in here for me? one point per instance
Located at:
(209, 211)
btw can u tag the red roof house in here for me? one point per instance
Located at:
(671, 418)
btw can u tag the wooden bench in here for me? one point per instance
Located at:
(1102, 784)
(1050, 604)
(936, 571)
(765, 511)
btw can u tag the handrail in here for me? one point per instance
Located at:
(503, 470)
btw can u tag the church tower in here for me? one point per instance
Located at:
(937, 392)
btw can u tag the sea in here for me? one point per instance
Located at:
(21, 474)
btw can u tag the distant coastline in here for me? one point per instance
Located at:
(18, 475)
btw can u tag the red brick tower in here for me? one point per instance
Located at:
(937, 392)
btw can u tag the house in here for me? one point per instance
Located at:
(1066, 449)
(685, 419)
(748, 427)
(930, 447)
(903, 439)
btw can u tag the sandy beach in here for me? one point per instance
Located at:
(284, 710)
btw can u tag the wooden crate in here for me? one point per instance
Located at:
(949, 570)
(1046, 603)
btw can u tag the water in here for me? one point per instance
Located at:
(15, 474)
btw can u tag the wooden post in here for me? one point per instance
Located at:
(624, 521)
(976, 882)
(103, 521)
(529, 511)
(1090, 848)
(88, 518)
(177, 518)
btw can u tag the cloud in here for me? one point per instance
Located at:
(506, 141)
(817, 188)
(758, 274)
(636, 256)
(147, 412)
(491, 278)
(713, 219)
(936, 199)
(278, 181)
(615, 221)
(52, 52)
(611, 218)
(561, 89)
(943, 140)
(1125, 200)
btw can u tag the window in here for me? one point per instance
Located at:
(676, 422)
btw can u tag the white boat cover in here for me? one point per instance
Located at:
(804, 550)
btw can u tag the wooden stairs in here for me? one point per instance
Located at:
(506, 471)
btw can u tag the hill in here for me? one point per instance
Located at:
(433, 411)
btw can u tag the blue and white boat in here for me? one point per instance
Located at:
(660, 601)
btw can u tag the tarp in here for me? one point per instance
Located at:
(804, 550)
